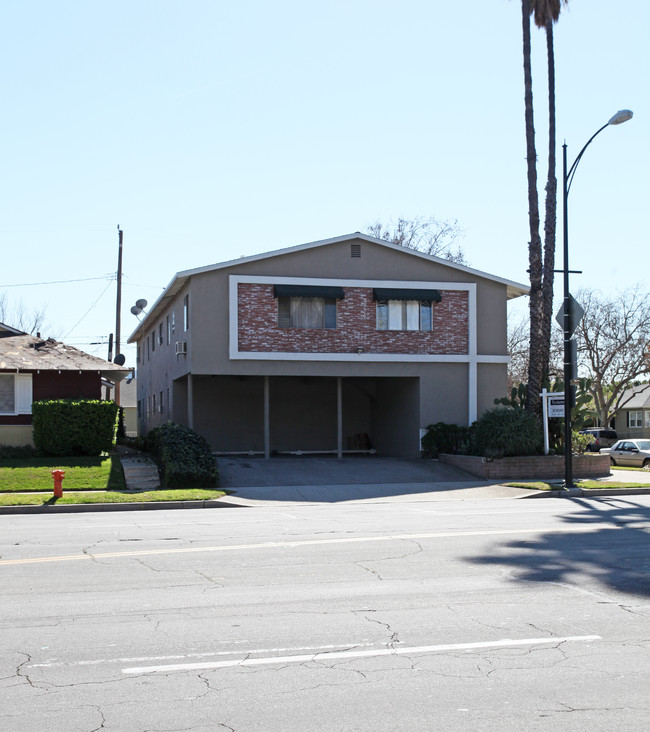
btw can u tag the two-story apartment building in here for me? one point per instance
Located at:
(343, 344)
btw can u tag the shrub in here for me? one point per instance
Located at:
(18, 451)
(443, 437)
(184, 457)
(74, 426)
(580, 442)
(502, 432)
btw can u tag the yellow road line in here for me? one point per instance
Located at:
(307, 542)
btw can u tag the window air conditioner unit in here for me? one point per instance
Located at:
(181, 347)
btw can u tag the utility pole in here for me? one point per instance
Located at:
(110, 358)
(118, 307)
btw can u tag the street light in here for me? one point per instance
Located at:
(621, 116)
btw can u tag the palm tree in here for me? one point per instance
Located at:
(546, 13)
(541, 266)
(535, 362)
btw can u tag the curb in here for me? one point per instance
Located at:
(101, 507)
(580, 493)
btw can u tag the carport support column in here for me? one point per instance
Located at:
(267, 418)
(339, 417)
(190, 402)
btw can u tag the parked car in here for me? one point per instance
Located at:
(635, 453)
(600, 438)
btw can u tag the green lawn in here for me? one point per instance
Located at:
(24, 481)
(81, 474)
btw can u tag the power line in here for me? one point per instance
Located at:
(110, 277)
(87, 311)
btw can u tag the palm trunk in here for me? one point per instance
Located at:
(550, 210)
(535, 364)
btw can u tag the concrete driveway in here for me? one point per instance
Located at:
(309, 479)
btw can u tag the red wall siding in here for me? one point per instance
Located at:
(66, 385)
(55, 385)
(356, 326)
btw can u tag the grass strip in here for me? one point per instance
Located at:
(72, 498)
(540, 485)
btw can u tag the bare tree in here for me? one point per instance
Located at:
(613, 345)
(437, 237)
(18, 316)
(518, 350)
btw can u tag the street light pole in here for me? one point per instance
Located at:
(567, 178)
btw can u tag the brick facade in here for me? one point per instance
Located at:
(356, 326)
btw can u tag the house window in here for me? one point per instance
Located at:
(169, 400)
(153, 404)
(647, 420)
(307, 312)
(153, 341)
(160, 334)
(148, 349)
(186, 312)
(139, 408)
(173, 322)
(7, 394)
(169, 331)
(137, 352)
(404, 315)
(635, 420)
(161, 403)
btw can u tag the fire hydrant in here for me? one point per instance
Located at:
(58, 480)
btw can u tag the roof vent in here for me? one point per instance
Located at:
(355, 250)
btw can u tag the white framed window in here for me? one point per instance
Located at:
(169, 331)
(15, 393)
(186, 313)
(307, 312)
(404, 315)
(635, 420)
(647, 420)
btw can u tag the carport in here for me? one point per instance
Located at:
(269, 415)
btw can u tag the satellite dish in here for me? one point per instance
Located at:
(135, 310)
(142, 304)
(119, 359)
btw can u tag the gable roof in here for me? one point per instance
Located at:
(637, 397)
(514, 289)
(29, 353)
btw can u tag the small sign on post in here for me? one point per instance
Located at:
(552, 406)
(556, 405)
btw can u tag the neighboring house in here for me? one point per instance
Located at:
(33, 368)
(128, 402)
(633, 418)
(344, 344)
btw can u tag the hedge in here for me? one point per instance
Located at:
(184, 457)
(74, 426)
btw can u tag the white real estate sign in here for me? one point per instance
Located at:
(556, 406)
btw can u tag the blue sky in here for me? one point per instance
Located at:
(210, 130)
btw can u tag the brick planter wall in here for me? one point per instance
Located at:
(531, 467)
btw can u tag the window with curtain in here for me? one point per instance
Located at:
(404, 315)
(7, 394)
(307, 312)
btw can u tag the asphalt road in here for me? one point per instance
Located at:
(472, 615)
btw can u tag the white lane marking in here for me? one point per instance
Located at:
(96, 662)
(313, 542)
(506, 643)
